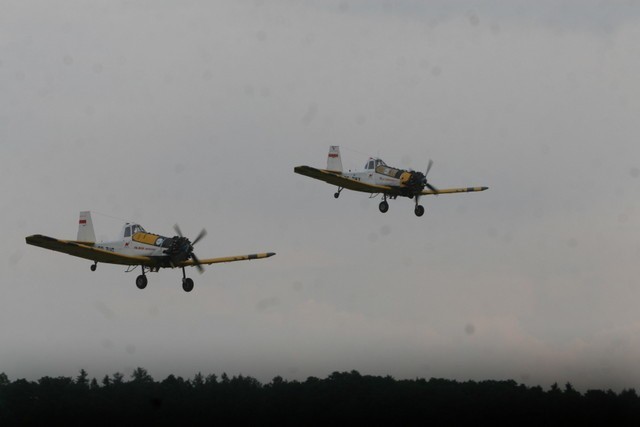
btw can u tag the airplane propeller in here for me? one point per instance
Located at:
(426, 183)
(418, 180)
(190, 253)
(428, 167)
(203, 233)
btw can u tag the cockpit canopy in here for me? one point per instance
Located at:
(374, 163)
(131, 229)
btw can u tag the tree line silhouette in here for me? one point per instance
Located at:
(340, 398)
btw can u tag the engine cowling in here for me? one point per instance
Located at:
(413, 179)
(179, 249)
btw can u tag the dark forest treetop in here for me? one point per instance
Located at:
(341, 398)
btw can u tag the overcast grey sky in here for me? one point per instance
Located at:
(196, 112)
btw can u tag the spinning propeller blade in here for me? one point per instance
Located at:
(426, 183)
(428, 167)
(197, 263)
(201, 235)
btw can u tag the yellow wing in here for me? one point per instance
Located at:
(87, 251)
(336, 178)
(454, 190)
(190, 263)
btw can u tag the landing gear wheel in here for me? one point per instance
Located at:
(419, 211)
(383, 206)
(141, 281)
(336, 195)
(94, 266)
(187, 284)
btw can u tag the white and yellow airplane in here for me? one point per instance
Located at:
(135, 248)
(378, 178)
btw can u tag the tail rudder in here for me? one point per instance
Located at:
(85, 228)
(334, 162)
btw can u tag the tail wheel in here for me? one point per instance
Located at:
(187, 284)
(383, 206)
(419, 211)
(141, 281)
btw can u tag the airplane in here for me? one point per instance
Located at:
(136, 247)
(378, 178)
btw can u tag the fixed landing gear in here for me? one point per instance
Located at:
(94, 266)
(141, 281)
(419, 210)
(337, 193)
(187, 282)
(384, 205)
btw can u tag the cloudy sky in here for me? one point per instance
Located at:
(196, 112)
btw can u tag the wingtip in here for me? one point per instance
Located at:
(38, 237)
(269, 254)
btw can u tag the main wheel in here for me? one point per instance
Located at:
(383, 206)
(419, 211)
(187, 284)
(336, 195)
(93, 267)
(141, 281)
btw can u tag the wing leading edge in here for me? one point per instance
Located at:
(87, 251)
(453, 190)
(341, 181)
(191, 263)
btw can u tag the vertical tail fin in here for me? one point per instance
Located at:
(334, 162)
(85, 228)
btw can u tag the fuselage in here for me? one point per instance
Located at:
(135, 241)
(376, 172)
